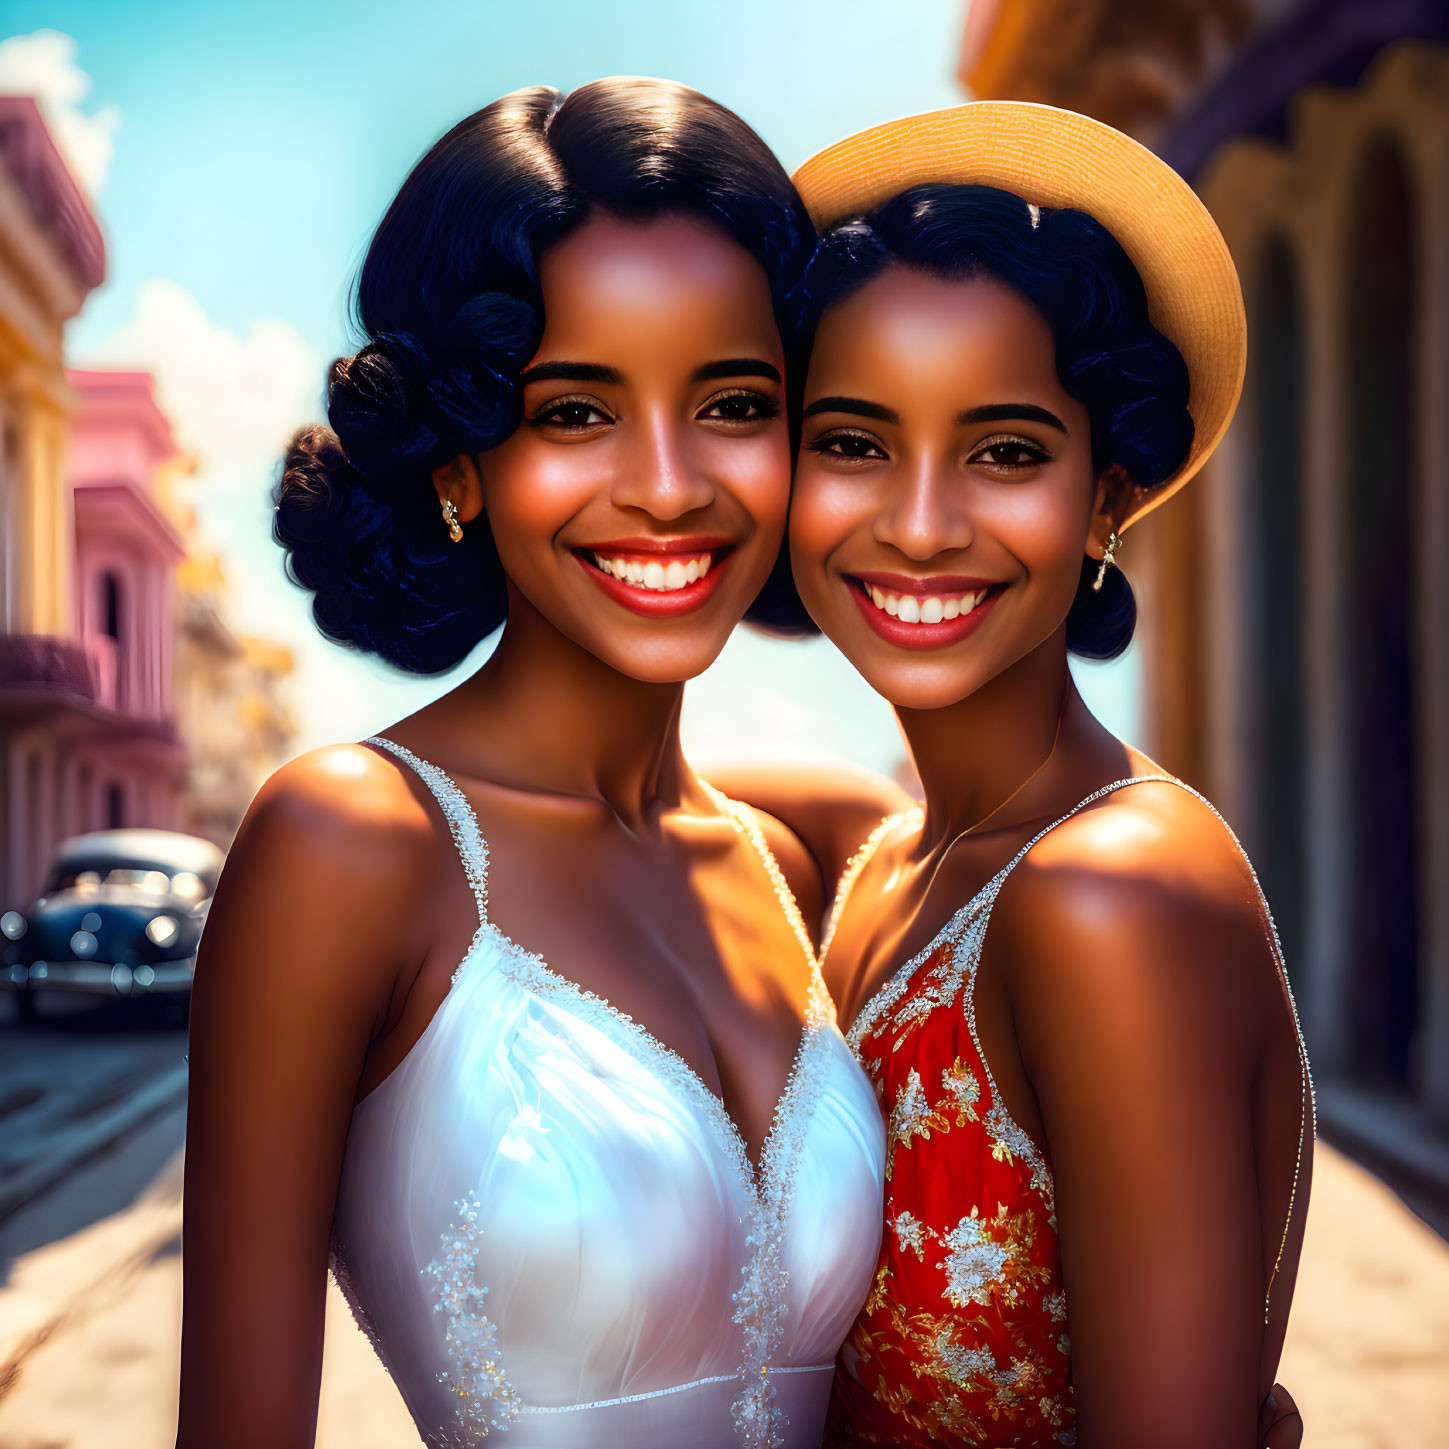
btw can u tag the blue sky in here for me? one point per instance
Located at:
(255, 148)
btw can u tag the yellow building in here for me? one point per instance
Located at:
(51, 257)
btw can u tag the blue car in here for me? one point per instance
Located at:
(120, 915)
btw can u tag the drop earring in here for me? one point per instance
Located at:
(450, 516)
(1114, 542)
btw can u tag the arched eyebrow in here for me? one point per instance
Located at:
(737, 367)
(856, 405)
(571, 372)
(611, 376)
(1009, 413)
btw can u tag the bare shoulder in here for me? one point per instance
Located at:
(1145, 883)
(344, 811)
(335, 851)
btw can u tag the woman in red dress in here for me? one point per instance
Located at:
(1027, 334)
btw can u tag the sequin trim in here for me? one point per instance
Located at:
(894, 987)
(760, 1301)
(487, 1399)
(337, 1264)
(855, 865)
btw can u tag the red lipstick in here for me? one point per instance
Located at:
(650, 576)
(905, 626)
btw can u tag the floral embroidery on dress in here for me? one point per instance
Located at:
(960, 1083)
(911, 1116)
(487, 1400)
(974, 1262)
(961, 1339)
(910, 1234)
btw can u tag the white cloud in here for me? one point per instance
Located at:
(233, 400)
(43, 64)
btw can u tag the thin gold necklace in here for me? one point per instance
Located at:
(960, 835)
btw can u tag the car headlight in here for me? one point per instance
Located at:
(13, 926)
(162, 930)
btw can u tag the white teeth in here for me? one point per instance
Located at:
(932, 609)
(651, 574)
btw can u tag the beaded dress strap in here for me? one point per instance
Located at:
(462, 822)
(855, 865)
(1308, 1120)
(743, 818)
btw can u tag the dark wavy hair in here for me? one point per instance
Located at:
(448, 296)
(1109, 356)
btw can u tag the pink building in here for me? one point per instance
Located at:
(112, 756)
(126, 552)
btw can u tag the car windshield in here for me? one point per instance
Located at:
(153, 882)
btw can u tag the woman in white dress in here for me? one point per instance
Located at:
(573, 1118)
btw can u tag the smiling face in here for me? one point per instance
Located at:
(945, 493)
(641, 503)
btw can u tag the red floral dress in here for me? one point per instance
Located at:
(963, 1338)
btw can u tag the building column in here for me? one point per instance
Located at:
(1432, 532)
(1328, 881)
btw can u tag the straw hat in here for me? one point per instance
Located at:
(1053, 157)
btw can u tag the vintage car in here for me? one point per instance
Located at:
(120, 915)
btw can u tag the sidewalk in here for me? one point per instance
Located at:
(1367, 1356)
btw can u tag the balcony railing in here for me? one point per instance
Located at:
(37, 666)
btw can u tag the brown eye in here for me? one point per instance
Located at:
(570, 414)
(851, 445)
(1009, 455)
(740, 407)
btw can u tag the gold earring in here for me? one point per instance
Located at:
(450, 515)
(1114, 542)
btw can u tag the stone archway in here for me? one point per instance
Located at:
(1380, 584)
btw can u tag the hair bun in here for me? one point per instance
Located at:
(382, 572)
(373, 405)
